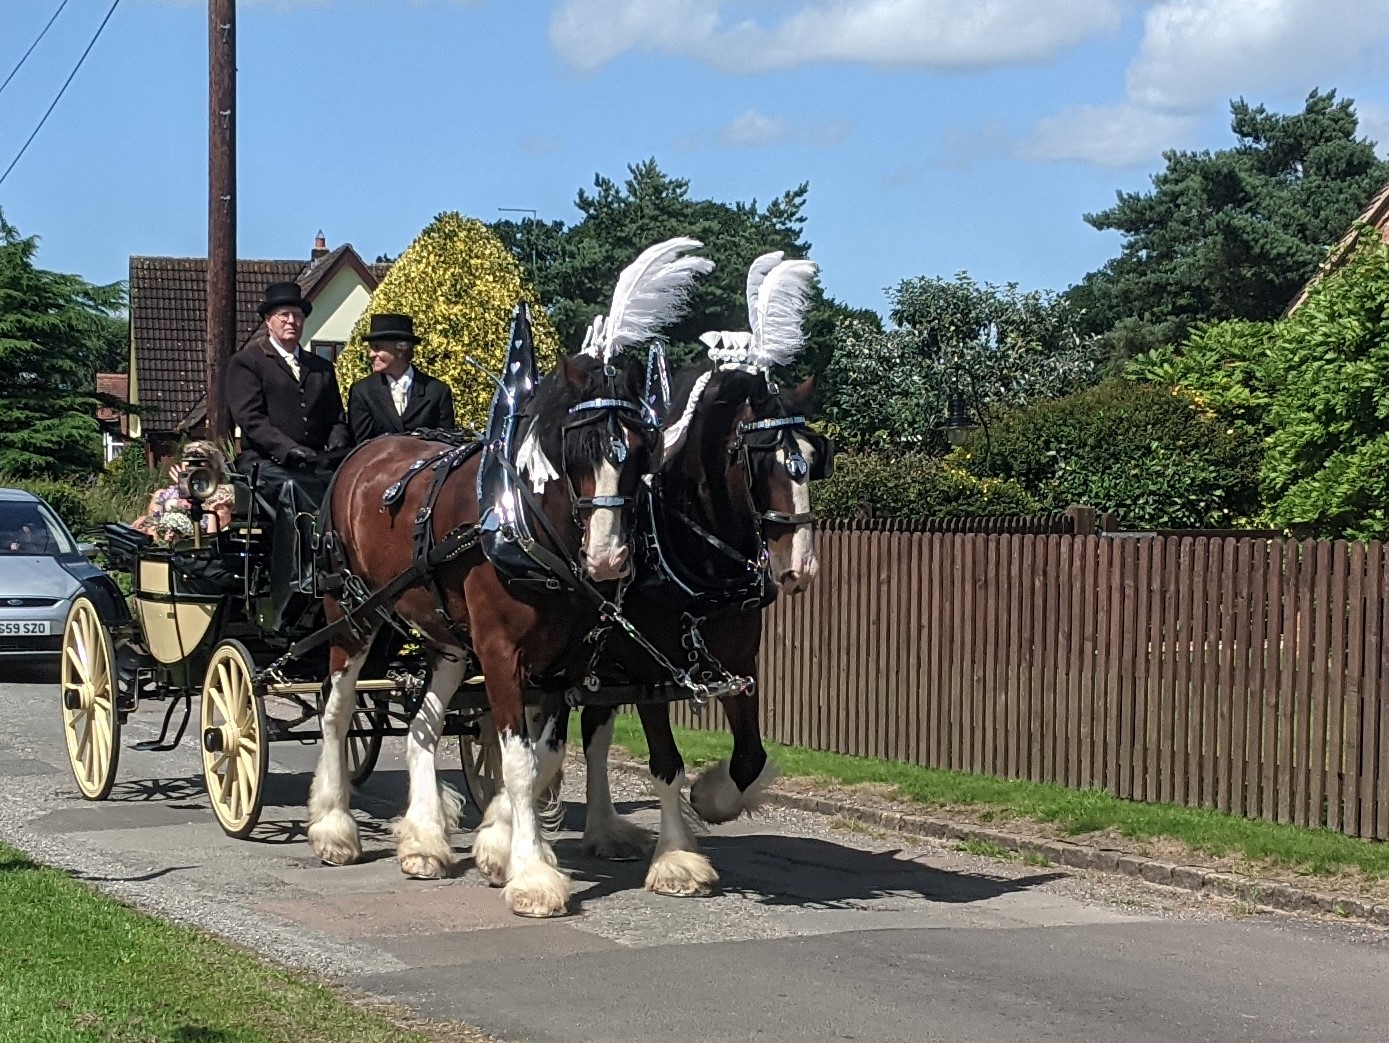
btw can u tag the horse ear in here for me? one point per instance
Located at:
(803, 393)
(573, 375)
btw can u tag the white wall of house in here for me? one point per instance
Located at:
(336, 308)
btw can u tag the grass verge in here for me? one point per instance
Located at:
(78, 966)
(1319, 852)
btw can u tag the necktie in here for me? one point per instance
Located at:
(398, 394)
(293, 359)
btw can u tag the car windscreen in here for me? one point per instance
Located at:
(31, 528)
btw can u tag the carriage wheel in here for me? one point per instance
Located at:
(363, 750)
(235, 740)
(482, 771)
(482, 763)
(91, 723)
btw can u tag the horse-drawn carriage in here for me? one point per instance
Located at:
(516, 565)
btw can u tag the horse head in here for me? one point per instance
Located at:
(588, 416)
(742, 448)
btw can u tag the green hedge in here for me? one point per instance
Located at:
(913, 485)
(120, 493)
(1146, 451)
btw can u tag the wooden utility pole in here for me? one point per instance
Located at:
(221, 210)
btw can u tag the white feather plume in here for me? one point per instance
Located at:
(782, 302)
(651, 293)
(593, 337)
(757, 273)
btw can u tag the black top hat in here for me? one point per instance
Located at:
(392, 327)
(281, 295)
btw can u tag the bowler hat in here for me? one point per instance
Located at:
(283, 295)
(392, 327)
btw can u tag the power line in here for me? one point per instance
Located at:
(33, 45)
(115, 4)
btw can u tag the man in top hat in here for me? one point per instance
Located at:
(396, 397)
(284, 399)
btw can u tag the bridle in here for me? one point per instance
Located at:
(797, 469)
(620, 414)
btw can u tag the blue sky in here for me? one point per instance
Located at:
(936, 135)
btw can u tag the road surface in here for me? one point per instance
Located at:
(817, 934)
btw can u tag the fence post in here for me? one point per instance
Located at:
(1082, 519)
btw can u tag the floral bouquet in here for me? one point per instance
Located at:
(172, 526)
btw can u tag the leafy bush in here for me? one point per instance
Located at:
(120, 493)
(1146, 451)
(913, 485)
(1327, 464)
(460, 285)
(999, 347)
(68, 499)
(1222, 366)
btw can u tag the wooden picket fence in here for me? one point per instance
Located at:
(1245, 674)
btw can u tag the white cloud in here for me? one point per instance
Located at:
(752, 129)
(934, 34)
(1198, 52)
(1106, 135)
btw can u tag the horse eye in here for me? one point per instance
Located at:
(617, 452)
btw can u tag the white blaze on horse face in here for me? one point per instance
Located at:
(793, 572)
(605, 551)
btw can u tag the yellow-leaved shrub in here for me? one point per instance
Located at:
(460, 285)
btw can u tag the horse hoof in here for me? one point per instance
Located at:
(618, 841)
(422, 867)
(681, 874)
(334, 840)
(614, 850)
(538, 892)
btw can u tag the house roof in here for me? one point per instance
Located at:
(168, 320)
(1376, 214)
(117, 385)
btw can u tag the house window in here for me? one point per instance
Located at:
(327, 349)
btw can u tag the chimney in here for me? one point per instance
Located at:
(320, 246)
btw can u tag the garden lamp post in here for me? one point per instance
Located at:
(958, 426)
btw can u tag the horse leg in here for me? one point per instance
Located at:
(534, 887)
(736, 786)
(677, 867)
(548, 726)
(332, 829)
(422, 835)
(606, 833)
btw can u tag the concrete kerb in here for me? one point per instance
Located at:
(1276, 897)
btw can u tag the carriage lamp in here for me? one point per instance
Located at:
(957, 426)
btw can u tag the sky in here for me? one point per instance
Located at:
(936, 135)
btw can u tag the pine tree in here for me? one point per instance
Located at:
(54, 330)
(460, 285)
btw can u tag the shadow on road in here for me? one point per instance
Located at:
(33, 672)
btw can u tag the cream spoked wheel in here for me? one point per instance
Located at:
(91, 722)
(235, 743)
(482, 763)
(372, 714)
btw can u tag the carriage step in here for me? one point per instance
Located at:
(153, 746)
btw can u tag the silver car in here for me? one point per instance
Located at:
(42, 568)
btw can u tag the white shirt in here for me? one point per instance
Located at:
(400, 388)
(291, 357)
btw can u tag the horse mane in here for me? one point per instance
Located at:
(548, 410)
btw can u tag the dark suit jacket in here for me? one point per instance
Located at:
(276, 412)
(371, 410)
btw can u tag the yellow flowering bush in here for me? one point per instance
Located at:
(460, 285)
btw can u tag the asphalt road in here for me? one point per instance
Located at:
(817, 934)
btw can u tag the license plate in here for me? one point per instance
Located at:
(38, 628)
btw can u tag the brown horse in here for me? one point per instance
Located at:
(466, 610)
(737, 467)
